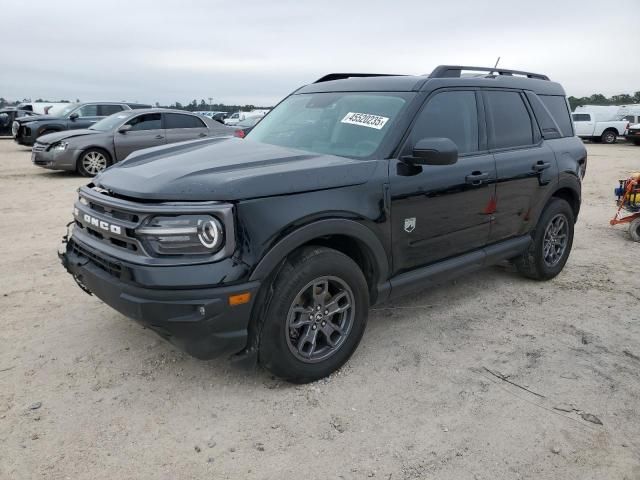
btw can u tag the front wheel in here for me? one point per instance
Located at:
(634, 230)
(92, 162)
(316, 316)
(609, 137)
(551, 242)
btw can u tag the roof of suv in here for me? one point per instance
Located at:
(443, 75)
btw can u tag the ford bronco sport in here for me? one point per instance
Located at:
(354, 190)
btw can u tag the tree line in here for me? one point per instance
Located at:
(599, 99)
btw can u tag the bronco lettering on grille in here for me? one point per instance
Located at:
(101, 224)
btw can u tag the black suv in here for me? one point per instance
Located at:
(26, 130)
(355, 189)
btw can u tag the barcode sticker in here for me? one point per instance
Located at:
(365, 120)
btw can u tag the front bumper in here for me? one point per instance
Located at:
(198, 321)
(54, 160)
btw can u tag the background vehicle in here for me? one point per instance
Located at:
(111, 139)
(355, 189)
(606, 132)
(26, 130)
(633, 134)
(237, 117)
(8, 115)
(245, 126)
(43, 108)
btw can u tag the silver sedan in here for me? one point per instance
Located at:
(111, 139)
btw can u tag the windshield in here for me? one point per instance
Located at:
(110, 122)
(67, 110)
(349, 124)
(248, 122)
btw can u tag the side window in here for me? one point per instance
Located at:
(177, 120)
(148, 121)
(452, 115)
(509, 120)
(106, 110)
(581, 117)
(557, 106)
(88, 111)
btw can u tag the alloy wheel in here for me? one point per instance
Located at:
(94, 162)
(555, 240)
(320, 319)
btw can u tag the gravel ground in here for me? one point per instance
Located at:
(87, 394)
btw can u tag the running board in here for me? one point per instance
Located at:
(431, 275)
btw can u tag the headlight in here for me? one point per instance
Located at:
(59, 147)
(182, 235)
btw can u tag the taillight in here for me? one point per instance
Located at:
(239, 133)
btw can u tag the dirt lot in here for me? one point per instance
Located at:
(87, 394)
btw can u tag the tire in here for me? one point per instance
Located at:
(542, 260)
(297, 331)
(93, 161)
(636, 143)
(634, 230)
(609, 137)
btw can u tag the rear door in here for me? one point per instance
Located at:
(146, 131)
(439, 211)
(181, 127)
(583, 124)
(525, 164)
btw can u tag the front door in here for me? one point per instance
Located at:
(583, 124)
(87, 116)
(439, 211)
(146, 131)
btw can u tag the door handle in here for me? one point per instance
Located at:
(476, 178)
(540, 166)
(159, 137)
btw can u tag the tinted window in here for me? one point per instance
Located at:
(581, 117)
(106, 110)
(557, 106)
(88, 111)
(176, 120)
(148, 121)
(509, 120)
(452, 115)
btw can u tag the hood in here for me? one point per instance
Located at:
(37, 118)
(50, 138)
(229, 169)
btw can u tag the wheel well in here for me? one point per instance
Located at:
(571, 198)
(611, 129)
(106, 152)
(358, 252)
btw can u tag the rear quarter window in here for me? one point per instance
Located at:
(559, 110)
(581, 117)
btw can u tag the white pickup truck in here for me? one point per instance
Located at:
(586, 126)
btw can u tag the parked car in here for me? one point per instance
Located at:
(245, 126)
(74, 116)
(110, 140)
(354, 190)
(238, 117)
(43, 108)
(606, 132)
(633, 134)
(8, 115)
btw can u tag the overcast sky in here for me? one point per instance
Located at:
(256, 52)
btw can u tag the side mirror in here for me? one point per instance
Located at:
(433, 151)
(124, 129)
(73, 116)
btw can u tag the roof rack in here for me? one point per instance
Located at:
(342, 76)
(449, 71)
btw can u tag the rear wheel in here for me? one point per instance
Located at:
(551, 243)
(609, 136)
(634, 229)
(92, 162)
(316, 316)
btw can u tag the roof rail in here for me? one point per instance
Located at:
(448, 71)
(342, 76)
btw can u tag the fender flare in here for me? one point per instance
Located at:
(321, 228)
(569, 182)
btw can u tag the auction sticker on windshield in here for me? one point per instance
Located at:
(365, 120)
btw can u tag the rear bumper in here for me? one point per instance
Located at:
(198, 321)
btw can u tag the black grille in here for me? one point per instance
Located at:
(113, 269)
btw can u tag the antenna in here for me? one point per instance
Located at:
(497, 61)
